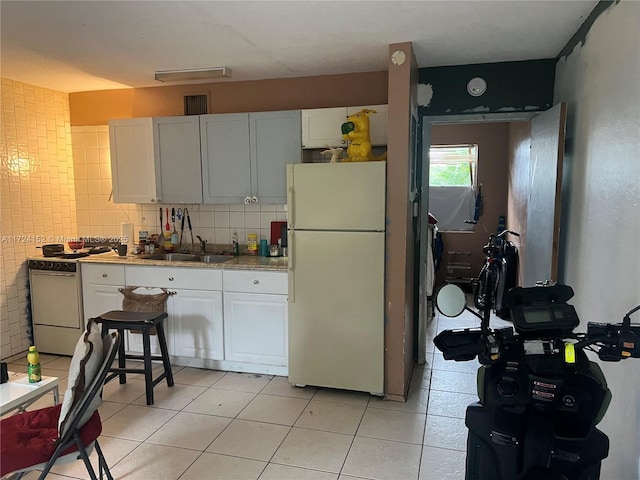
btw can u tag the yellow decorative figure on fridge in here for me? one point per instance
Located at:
(356, 131)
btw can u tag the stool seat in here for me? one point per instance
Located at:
(146, 324)
(123, 316)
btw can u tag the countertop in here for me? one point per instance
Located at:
(242, 262)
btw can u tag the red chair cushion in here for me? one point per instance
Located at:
(30, 438)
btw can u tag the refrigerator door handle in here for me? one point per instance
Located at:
(291, 267)
(291, 206)
(290, 196)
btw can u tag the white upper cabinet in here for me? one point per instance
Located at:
(133, 173)
(275, 142)
(176, 142)
(156, 160)
(226, 157)
(321, 126)
(244, 155)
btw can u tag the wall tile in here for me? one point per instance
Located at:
(37, 188)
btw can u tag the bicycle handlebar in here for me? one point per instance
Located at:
(504, 232)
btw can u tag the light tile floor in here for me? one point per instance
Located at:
(222, 425)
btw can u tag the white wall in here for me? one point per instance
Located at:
(600, 81)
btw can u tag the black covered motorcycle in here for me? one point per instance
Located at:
(539, 396)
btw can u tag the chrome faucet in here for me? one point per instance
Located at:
(203, 244)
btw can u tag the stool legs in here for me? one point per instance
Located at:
(122, 358)
(148, 367)
(142, 323)
(162, 340)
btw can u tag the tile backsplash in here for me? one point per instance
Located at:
(98, 216)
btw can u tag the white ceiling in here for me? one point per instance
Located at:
(74, 46)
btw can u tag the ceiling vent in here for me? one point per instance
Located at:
(196, 104)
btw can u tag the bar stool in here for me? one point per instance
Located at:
(142, 322)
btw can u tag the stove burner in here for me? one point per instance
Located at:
(74, 255)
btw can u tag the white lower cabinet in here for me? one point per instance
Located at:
(100, 284)
(241, 327)
(194, 325)
(255, 328)
(255, 318)
(197, 324)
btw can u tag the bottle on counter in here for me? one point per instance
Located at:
(34, 373)
(236, 247)
(168, 246)
(252, 244)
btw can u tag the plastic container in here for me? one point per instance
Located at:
(252, 244)
(34, 373)
(264, 248)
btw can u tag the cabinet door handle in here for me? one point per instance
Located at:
(171, 279)
(247, 200)
(153, 200)
(254, 199)
(256, 282)
(104, 275)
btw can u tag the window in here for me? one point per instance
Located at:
(452, 182)
(453, 165)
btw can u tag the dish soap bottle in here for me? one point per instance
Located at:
(168, 245)
(33, 371)
(252, 244)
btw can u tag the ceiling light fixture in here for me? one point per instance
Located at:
(211, 73)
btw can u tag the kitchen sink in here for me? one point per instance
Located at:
(187, 257)
(173, 257)
(214, 258)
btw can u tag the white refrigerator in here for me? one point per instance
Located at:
(336, 248)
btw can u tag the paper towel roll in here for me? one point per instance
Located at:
(127, 236)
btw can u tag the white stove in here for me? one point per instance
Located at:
(56, 303)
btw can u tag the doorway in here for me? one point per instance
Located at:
(530, 146)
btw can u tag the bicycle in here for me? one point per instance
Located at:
(501, 261)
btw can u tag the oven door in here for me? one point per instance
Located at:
(55, 299)
(55, 308)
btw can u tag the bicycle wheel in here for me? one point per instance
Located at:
(479, 290)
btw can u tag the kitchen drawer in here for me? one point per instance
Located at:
(102, 274)
(171, 277)
(253, 281)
